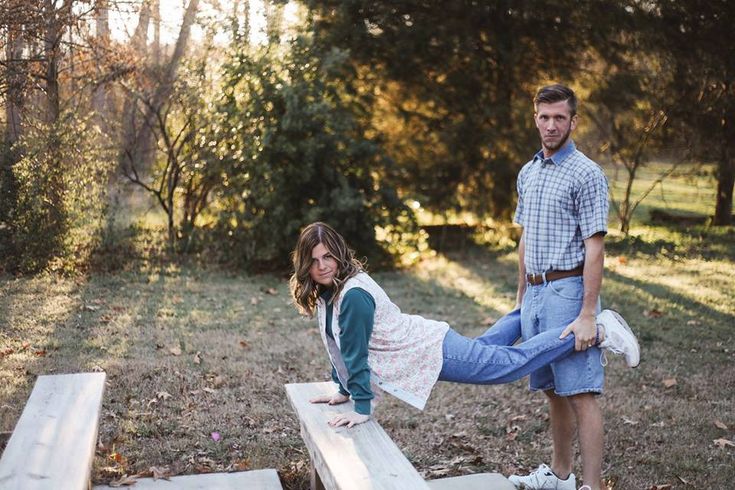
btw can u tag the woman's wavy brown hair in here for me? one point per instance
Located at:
(304, 290)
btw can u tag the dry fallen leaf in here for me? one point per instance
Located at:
(694, 323)
(175, 351)
(124, 481)
(197, 358)
(723, 443)
(244, 344)
(160, 473)
(271, 291)
(254, 301)
(665, 486)
(208, 390)
(489, 320)
(244, 465)
(653, 313)
(622, 260)
(628, 421)
(720, 425)
(163, 395)
(669, 382)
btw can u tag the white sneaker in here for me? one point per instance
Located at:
(544, 479)
(619, 338)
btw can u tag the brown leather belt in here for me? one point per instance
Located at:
(536, 279)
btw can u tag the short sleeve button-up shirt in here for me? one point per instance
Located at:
(562, 200)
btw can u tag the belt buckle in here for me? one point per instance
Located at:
(533, 278)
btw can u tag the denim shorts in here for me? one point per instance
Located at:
(551, 306)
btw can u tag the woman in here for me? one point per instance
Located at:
(372, 345)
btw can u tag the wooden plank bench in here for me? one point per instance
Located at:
(364, 457)
(256, 479)
(52, 446)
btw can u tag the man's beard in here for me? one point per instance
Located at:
(556, 146)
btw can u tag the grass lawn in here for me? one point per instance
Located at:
(192, 350)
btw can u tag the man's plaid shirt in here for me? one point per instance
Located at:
(562, 200)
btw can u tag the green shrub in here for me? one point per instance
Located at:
(60, 184)
(297, 152)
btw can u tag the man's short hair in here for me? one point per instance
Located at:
(556, 93)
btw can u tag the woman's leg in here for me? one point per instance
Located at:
(505, 331)
(472, 361)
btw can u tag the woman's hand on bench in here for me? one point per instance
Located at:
(349, 419)
(336, 399)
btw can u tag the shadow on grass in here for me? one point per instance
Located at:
(676, 330)
(634, 296)
(708, 243)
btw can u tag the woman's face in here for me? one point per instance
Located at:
(323, 266)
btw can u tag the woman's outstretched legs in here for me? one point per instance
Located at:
(505, 331)
(479, 361)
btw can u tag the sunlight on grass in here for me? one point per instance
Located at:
(452, 274)
(699, 281)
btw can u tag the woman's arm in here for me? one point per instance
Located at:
(356, 318)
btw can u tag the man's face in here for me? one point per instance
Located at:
(555, 123)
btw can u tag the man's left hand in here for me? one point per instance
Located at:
(584, 329)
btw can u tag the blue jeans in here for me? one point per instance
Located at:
(548, 307)
(492, 359)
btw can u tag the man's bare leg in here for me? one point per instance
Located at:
(562, 420)
(588, 415)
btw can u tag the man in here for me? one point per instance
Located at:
(562, 207)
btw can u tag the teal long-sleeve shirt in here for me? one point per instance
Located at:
(356, 316)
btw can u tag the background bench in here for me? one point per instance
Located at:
(363, 457)
(52, 446)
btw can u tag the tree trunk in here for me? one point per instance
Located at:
(131, 154)
(16, 81)
(179, 51)
(241, 23)
(156, 32)
(100, 102)
(726, 169)
(246, 21)
(16, 78)
(51, 47)
(273, 20)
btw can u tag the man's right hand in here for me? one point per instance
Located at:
(335, 399)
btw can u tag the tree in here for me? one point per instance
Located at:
(179, 178)
(693, 36)
(295, 151)
(47, 195)
(456, 80)
(629, 103)
(146, 124)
